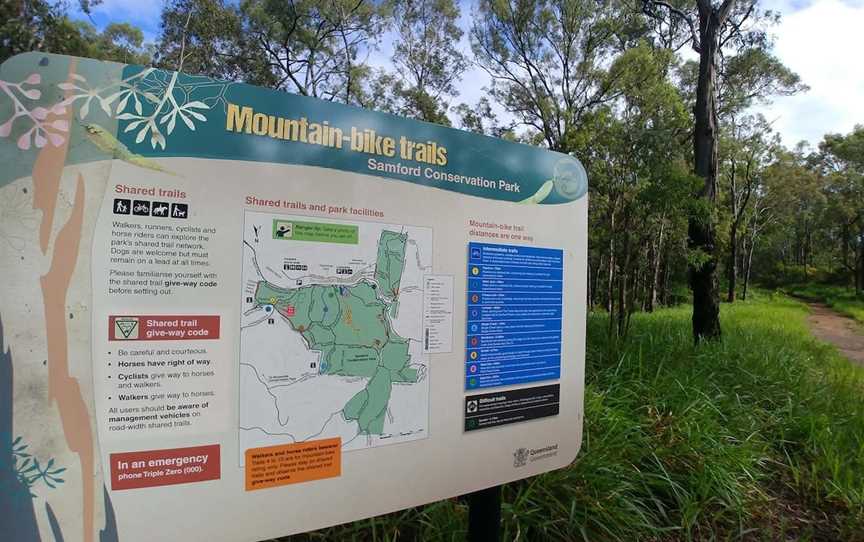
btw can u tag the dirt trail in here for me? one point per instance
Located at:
(841, 331)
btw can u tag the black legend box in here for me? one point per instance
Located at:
(179, 210)
(160, 209)
(122, 206)
(141, 208)
(511, 406)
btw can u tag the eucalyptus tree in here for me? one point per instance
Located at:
(841, 161)
(312, 47)
(797, 197)
(427, 61)
(551, 61)
(749, 148)
(479, 118)
(639, 183)
(41, 25)
(722, 34)
(201, 37)
(759, 218)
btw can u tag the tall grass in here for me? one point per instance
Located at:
(758, 437)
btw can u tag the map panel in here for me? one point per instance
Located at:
(331, 331)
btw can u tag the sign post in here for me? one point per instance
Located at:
(484, 515)
(217, 296)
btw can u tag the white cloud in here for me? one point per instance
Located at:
(821, 42)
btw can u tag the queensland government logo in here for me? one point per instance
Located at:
(523, 456)
(520, 457)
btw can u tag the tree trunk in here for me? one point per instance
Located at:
(857, 273)
(622, 301)
(651, 297)
(624, 273)
(701, 227)
(847, 267)
(655, 268)
(859, 282)
(732, 272)
(631, 305)
(610, 285)
(667, 272)
(748, 264)
(595, 290)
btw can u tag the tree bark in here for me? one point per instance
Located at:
(732, 272)
(655, 268)
(622, 302)
(848, 267)
(623, 278)
(595, 290)
(610, 288)
(857, 272)
(667, 272)
(859, 282)
(748, 264)
(701, 227)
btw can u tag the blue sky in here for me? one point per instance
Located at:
(818, 39)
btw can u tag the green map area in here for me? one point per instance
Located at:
(350, 325)
(390, 263)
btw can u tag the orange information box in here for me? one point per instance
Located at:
(285, 464)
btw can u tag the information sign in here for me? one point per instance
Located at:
(229, 313)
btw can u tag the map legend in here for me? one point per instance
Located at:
(514, 315)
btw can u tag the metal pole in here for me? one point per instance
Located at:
(484, 515)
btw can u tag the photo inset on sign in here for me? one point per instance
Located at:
(332, 332)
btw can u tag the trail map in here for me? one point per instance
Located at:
(331, 331)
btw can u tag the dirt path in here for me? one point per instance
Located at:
(841, 331)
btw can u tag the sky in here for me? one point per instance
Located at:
(820, 40)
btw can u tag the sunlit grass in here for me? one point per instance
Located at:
(758, 436)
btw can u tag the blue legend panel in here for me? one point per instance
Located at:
(514, 315)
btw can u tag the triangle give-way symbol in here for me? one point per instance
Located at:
(128, 327)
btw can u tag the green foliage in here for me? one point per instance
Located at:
(845, 152)
(760, 433)
(754, 75)
(780, 275)
(814, 203)
(41, 25)
(426, 59)
(547, 60)
(201, 37)
(309, 47)
(120, 42)
(24, 26)
(481, 119)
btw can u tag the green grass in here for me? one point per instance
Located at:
(841, 299)
(758, 437)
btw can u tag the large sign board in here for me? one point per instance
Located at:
(217, 297)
